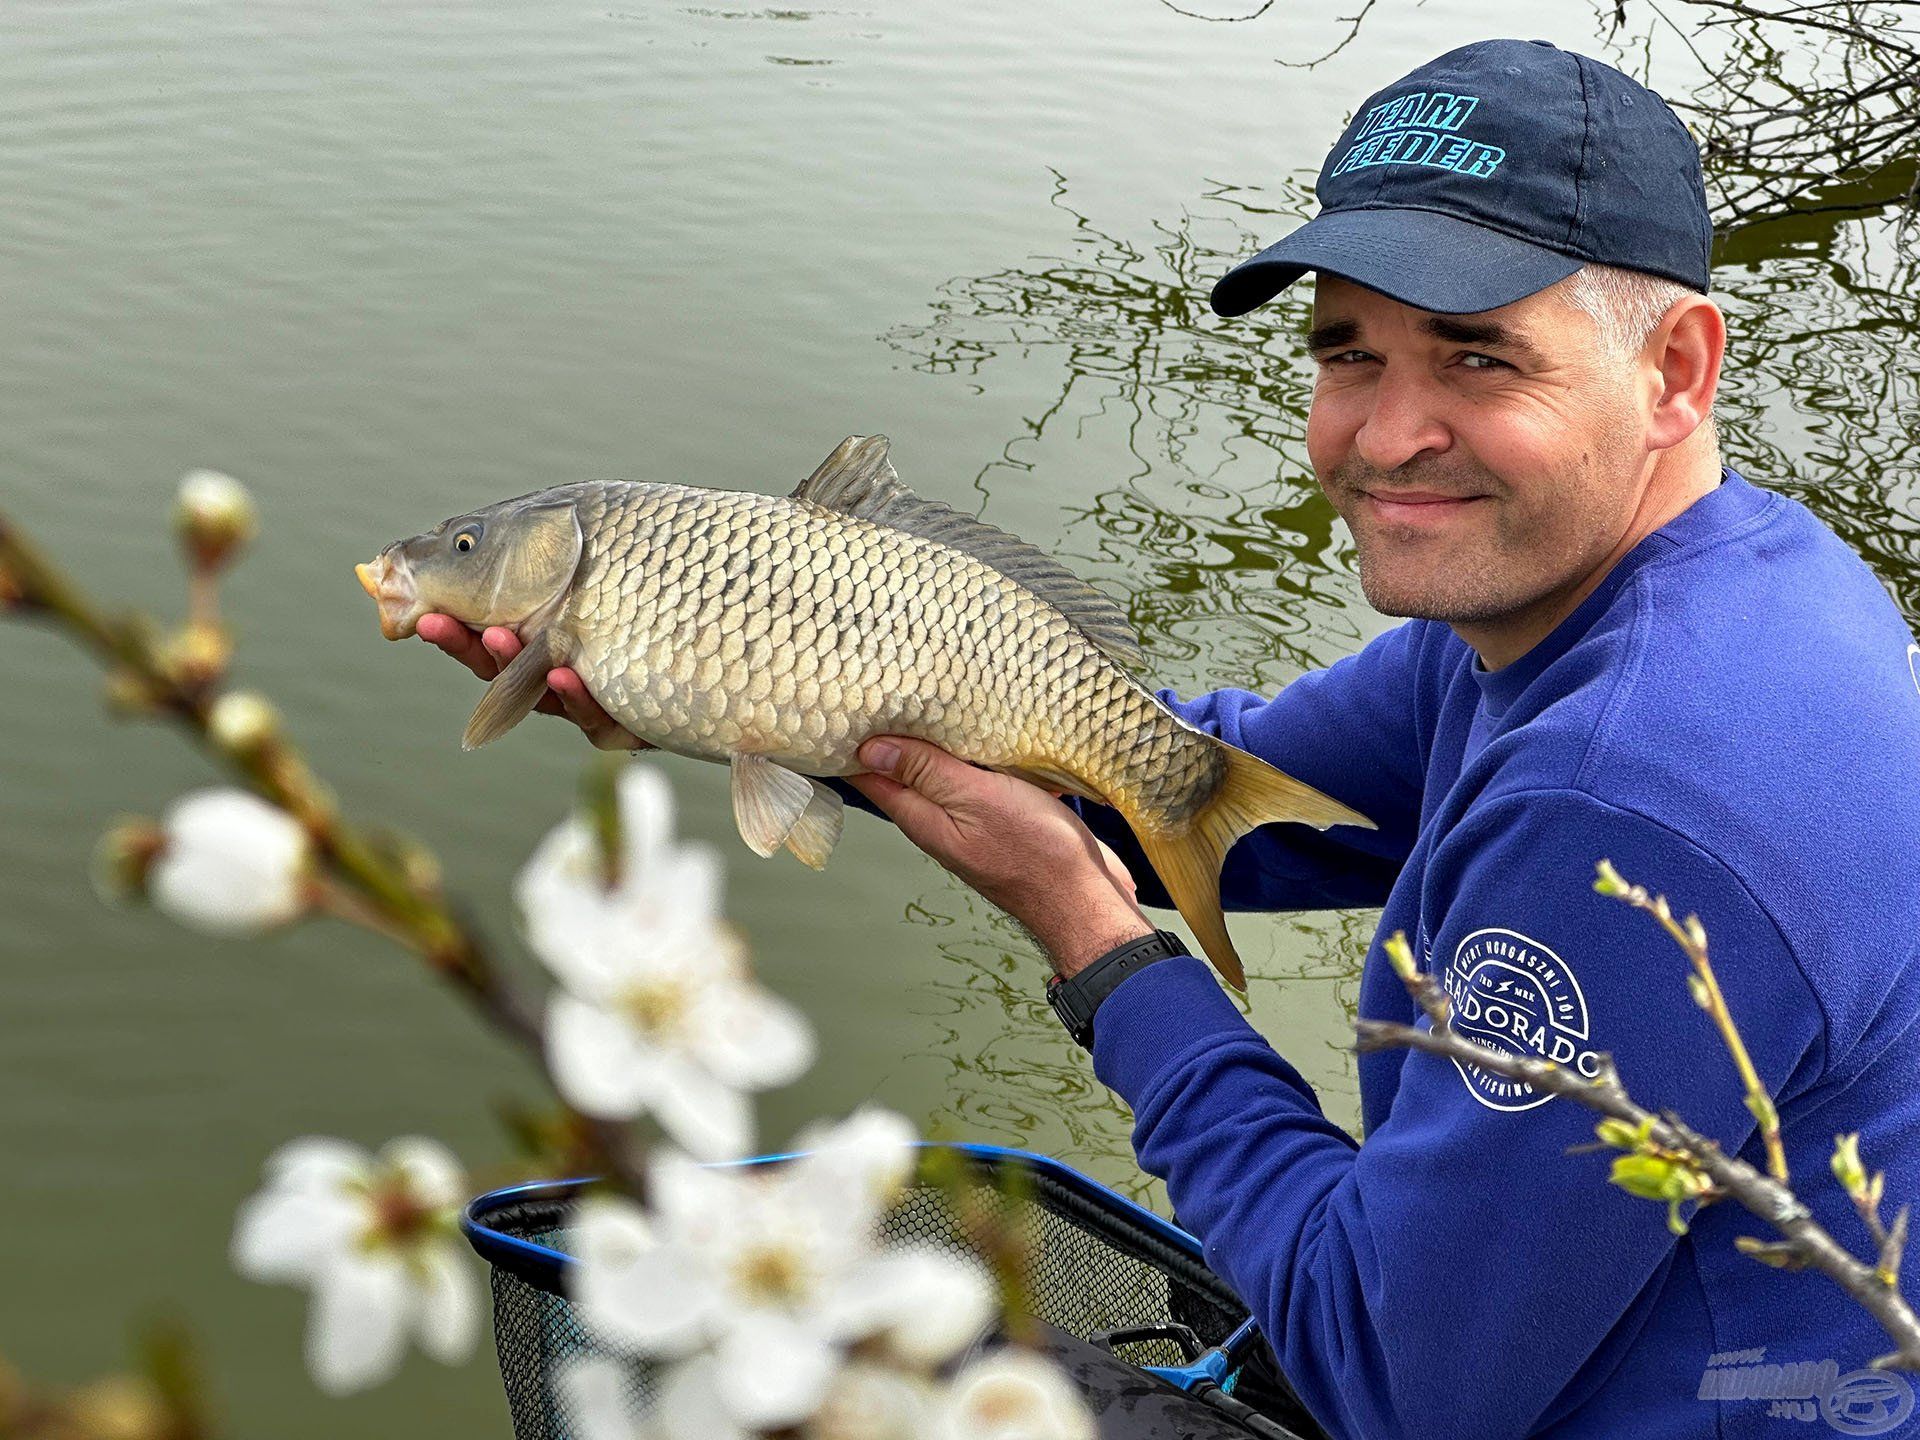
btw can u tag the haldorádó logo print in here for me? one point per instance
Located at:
(1860, 1402)
(1514, 994)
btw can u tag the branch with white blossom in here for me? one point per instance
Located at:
(389, 884)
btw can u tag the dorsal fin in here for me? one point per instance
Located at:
(858, 479)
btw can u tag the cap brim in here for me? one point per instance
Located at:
(1418, 257)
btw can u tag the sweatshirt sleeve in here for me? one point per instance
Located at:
(1352, 731)
(1451, 1276)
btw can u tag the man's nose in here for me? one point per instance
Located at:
(1404, 423)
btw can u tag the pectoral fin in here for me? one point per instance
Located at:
(769, 800)
(513, 692)
(818, 829)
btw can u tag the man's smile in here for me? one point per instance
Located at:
(1417, 507)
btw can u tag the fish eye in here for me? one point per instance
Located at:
(467, 539)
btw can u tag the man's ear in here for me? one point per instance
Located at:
(1684, 354)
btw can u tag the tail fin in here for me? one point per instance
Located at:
(1188, 859)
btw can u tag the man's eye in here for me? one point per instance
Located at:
(1474, 360)
(1344, 357)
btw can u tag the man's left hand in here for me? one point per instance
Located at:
(1015, 844)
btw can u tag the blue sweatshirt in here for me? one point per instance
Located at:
(1732, 718)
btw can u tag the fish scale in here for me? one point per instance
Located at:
(807, 663)
(776, 634)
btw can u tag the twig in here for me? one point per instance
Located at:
(1265, 6)
(364, 887)
(1353, 28)
(1697, 1166)
(1691, 936)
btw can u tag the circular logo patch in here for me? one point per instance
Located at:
(1868, 1402)
(1512, 993)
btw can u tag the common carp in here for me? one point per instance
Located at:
(776, 634)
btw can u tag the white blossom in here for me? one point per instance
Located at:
(373, 1237)
(656, 1011)
(1012, 1394)
(231, 863)
(868, 1401)
(769, 1272)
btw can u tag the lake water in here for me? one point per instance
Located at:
(385, 262)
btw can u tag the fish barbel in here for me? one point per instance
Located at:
(776, 634)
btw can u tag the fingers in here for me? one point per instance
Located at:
(489, 652)
(501, 643)
(925, 769)
(462, 644)
(919, 819)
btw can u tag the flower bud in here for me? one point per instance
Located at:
(124, 858)
(1780, 1254)
(196, 654)
(242, 723)
(215, 518)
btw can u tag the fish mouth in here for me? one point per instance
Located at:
(389, 580)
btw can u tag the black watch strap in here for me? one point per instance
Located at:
(1076, 998)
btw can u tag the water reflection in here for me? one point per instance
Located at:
(1233, 570)
(1219, 516)
(1233, 567)
(1822, 392)
(1012, 1079)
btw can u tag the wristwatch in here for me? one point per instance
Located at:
(1076, 997)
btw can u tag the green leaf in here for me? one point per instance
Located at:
(1848, 1168)
(1621, 1135)
(1401, 955)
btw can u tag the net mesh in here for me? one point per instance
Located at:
(1086, 1269)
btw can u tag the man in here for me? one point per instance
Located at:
(1620, 650)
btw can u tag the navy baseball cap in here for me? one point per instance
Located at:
(1489, 174)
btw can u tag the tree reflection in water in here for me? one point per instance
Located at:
(1235, 571)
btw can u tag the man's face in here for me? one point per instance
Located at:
(1485, 463)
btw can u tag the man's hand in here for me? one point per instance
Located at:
(1011, 841)
(486, 653)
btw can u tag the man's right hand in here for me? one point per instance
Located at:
(487, 653)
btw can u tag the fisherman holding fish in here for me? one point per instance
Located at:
(1617, 648)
